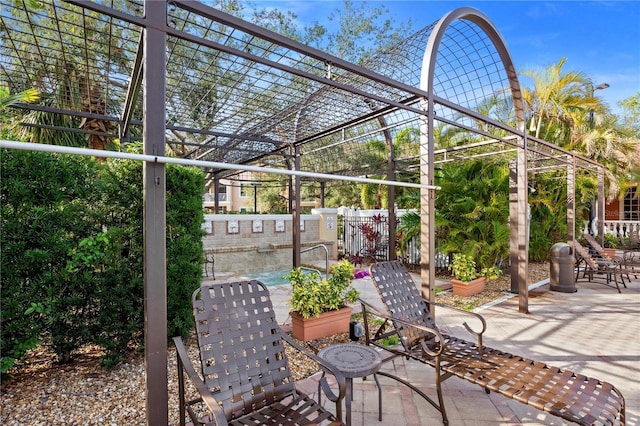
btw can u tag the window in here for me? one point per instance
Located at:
(222, 193)
(245, 189)
(632, 204)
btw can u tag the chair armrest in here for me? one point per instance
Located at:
(631, 258)
(479, 318)
(207, 398)
(326, 366)
(373, 311)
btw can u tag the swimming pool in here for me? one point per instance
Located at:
(274, 278)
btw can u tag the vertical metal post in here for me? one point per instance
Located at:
(216, 195)
(255, 197)
(155, 270)
(295, 211)
(523, 221)
(513, 224)
(518, 223)
(601, 204)
(427, 204)
(391, 191)
(571, 197)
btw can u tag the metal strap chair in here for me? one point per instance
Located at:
(610, 269)
(562, 393)
(245, 374)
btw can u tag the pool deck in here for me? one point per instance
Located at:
(595, 332)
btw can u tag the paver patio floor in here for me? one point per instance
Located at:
(595, 331)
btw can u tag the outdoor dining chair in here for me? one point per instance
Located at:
(245, 377)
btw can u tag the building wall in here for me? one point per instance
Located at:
(236, 202)
(247, 243)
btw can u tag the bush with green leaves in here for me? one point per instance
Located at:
(45, 210)
(463, 267)
(472, 210)
(72, 253)
(312, 295)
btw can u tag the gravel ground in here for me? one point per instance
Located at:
(82, 393)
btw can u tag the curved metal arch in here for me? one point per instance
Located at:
(478, 18)
(427, 144)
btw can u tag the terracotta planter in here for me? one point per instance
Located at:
(327, 324)
(611, 252)
(465, 289)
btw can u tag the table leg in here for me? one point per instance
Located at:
(347, 400)
(375, 377)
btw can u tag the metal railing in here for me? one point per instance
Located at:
(619, 228)
(326, 251)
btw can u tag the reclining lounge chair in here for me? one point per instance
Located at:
(247, 380)
(562, 393)
(610, 269)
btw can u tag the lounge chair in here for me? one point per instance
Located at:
(609, 269)
(632, 242)
(246, 375)
(562, 393)
(596, 248)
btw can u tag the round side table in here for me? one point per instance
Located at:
(354, 360)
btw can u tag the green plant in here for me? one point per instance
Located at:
(612, 241)
(311, 295)
(72, 253)
(472, 213)
(492, 273)
(463, 267)
(390, 341)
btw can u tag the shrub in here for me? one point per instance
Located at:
(45, 210)
(72, 253)
(311, 295)
(612, 241)
(463, 267)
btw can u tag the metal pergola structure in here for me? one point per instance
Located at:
(217, 92)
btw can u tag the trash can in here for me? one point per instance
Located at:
(561, 275)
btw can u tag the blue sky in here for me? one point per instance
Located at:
(598, 38)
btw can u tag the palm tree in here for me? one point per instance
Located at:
(7, 99)
(472, 212)
(559, 100)
(606, 146)
(564, 104)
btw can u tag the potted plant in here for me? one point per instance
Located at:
(466, 280)
(319, 307)
(611, 244)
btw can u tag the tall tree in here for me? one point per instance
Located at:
(558, 100)
(566, 111)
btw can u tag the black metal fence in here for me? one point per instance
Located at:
(366, 238)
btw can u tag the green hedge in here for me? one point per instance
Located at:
(72, 253)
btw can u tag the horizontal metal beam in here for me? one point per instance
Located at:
(28, 146)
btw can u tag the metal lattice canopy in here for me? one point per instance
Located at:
(222, 90)
(239, 94)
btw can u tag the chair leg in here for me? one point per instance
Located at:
(615, 279)
(181, 396)
(443, 410)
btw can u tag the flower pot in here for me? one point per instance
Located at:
(327, 324)
(611, 252)
(465, 289)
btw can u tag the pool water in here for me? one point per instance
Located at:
(274, 278)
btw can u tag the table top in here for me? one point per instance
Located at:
(351, 359)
